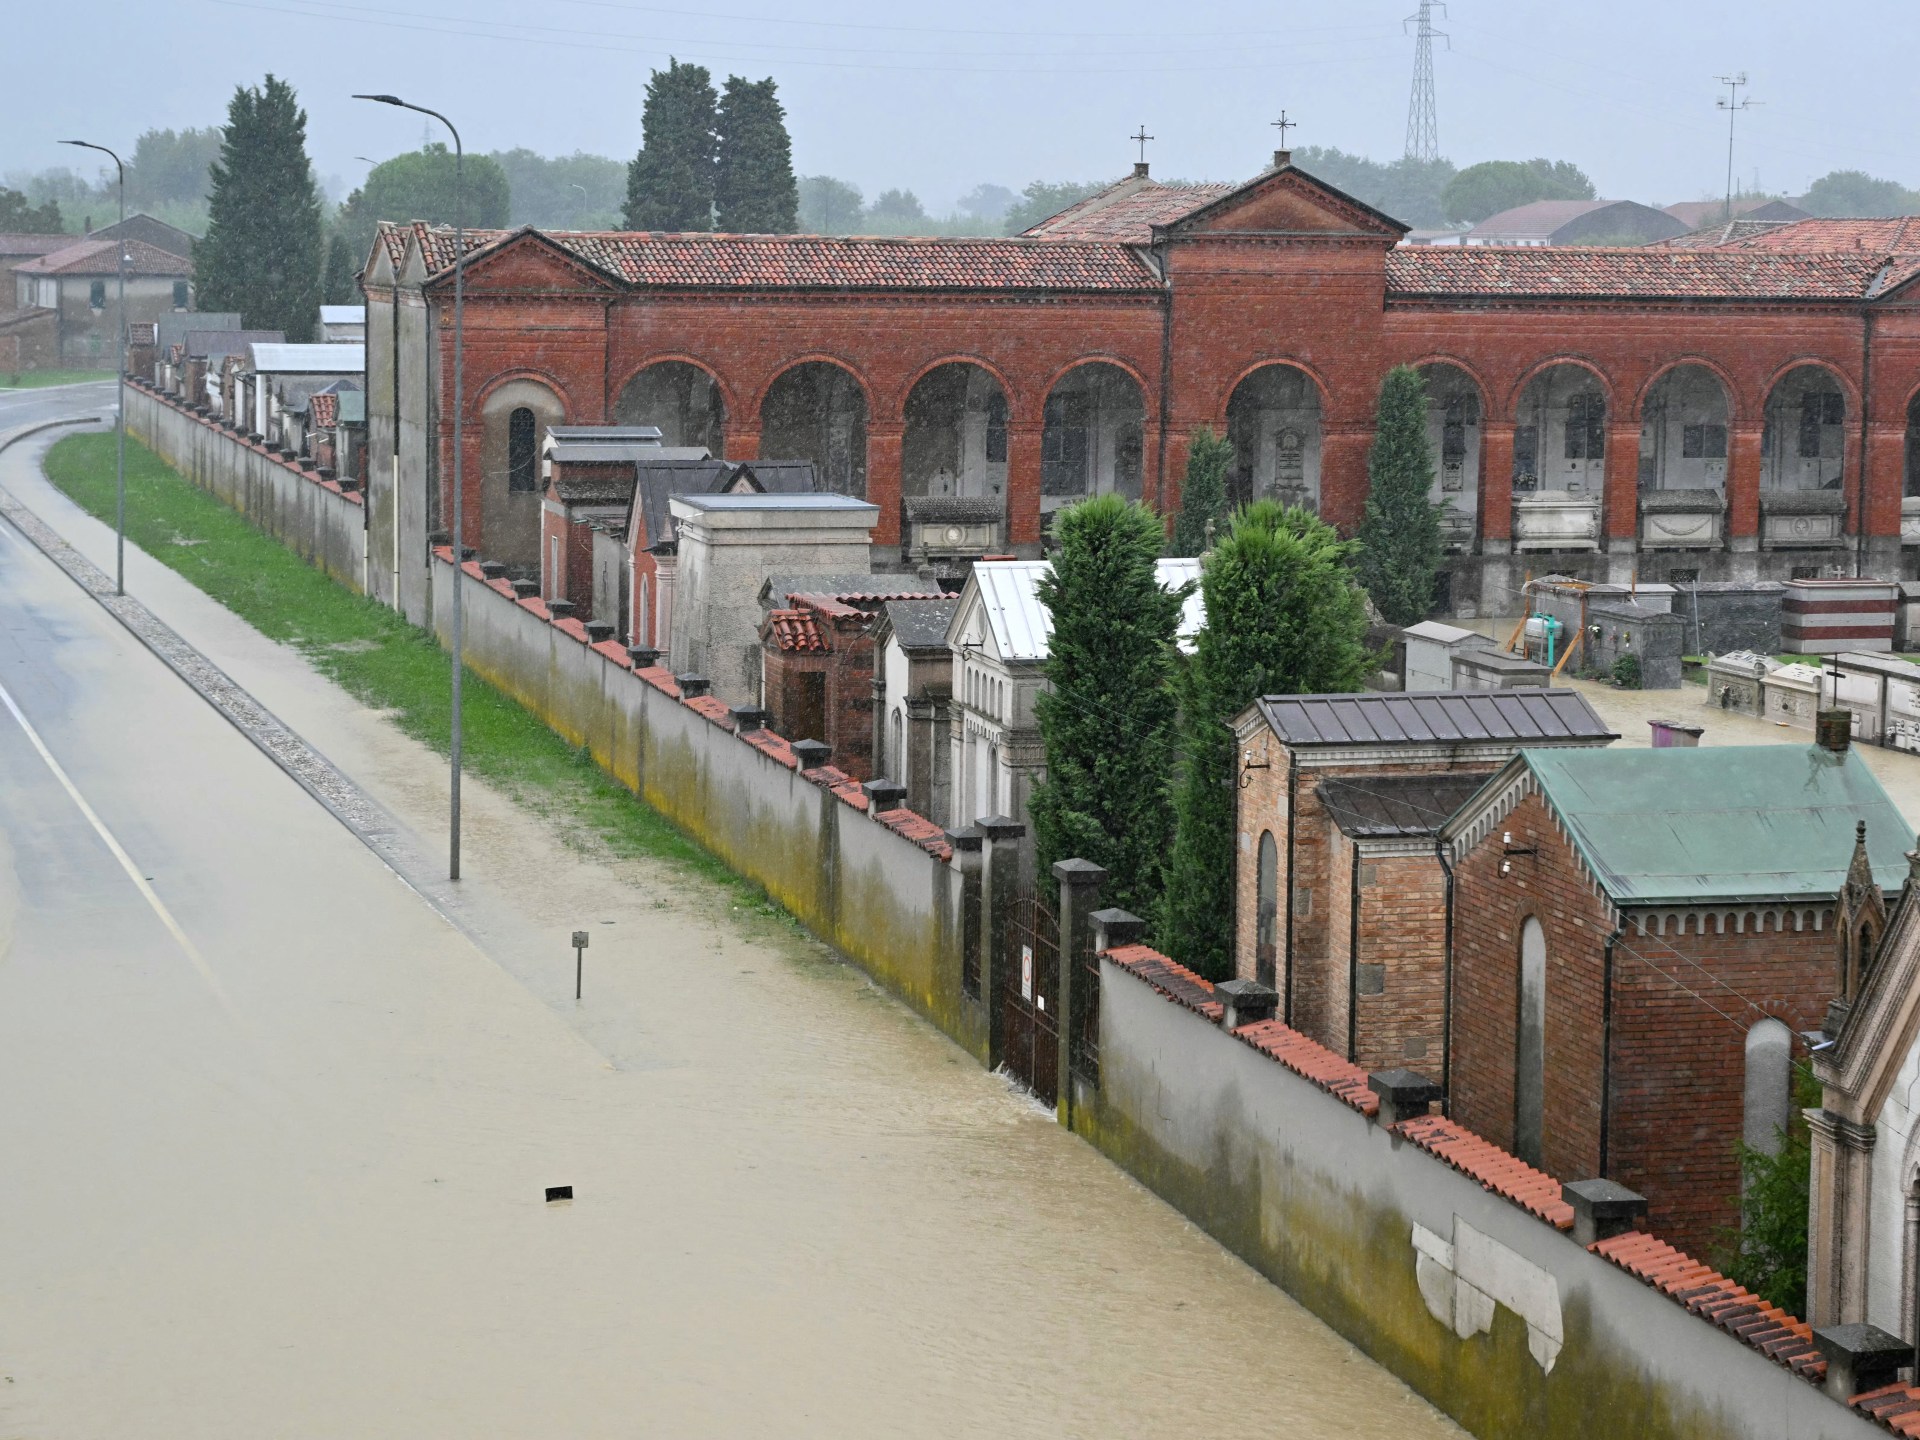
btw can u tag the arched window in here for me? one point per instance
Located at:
(1530, 1048)
(1767, 1094)
(1267, 916)
(522, 451)
(897, 751)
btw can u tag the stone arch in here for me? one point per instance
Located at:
(1456, 409)
(817, 410)
(1767, 1091)
(1093, 435)
(1803, 444)
(955, 438)
(1529, 1044)
(1560, 429)
(1684, 417)
(1266, 936)
(683, 397)
(1276, 422)
(509, 489)
(1911, 489)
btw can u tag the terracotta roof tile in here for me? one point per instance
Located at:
(323, 411)
(1170, 978)
(1128, 218)
(1712, 1296)
(796, 631)
(658, 260)
(1338, 1077)
(1504, 1174)
(1895, 235)
(1571, 272)
(99, 257)
(1897, 1407)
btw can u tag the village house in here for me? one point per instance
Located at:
(1567, 384)
(80, 283)
(1339, 892)
(912, 696)
(1635, 940)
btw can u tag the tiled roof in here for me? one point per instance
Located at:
(14, 243)
(1442, 717)
(1119, 213)
(1896, 235)
(1640, 273)
(1710, 1295)
(100, 257)
(323, 410)
(1715, 235)
(658, 260)
(921, 624)
(1504, 1174)
(796, 631)
(1698, 213)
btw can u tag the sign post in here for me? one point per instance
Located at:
(579, 959)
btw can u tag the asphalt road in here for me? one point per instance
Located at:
(24, 407)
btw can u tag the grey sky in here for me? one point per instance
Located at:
(941, 98)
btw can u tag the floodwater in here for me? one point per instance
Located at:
(283, 1174)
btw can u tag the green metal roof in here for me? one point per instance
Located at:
(1722, 824)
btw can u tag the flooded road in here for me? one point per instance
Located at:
(277, 1135)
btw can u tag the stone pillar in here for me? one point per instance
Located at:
(1343, 475)
(1179, 442)
(967, 845)
(884, 442)
(1743, 499)
(1620, 510)
(740, 439)
(1496, 486)
(1023, 482)
(1079, 897)
(1884, 485)
(1838, 1218)
(1000, 869)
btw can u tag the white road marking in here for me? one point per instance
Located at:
(146, 890)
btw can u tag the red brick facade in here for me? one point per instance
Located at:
(817, 660)
(1672, 1097)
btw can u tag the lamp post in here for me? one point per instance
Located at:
(459, 496)
(120, 391)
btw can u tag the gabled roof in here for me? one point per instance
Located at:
(1895, 235)
(309, 359)
(1396, 806)
(102, 258)
(1696, 214)
(1442, 717)
(921, 624)
(1127, 211)
(1022, 628)
(1731, 823)
(12, 242)
(1285, 178)
(1630, 272)
(871, 589)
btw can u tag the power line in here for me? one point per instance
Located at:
(1423, 116)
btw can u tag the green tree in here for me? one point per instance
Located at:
(1768, 1253)
(1848, 193)
(172, 168)
(1495, 185)
(1409, 190)
(567, 192)
(1107, 715)
(263, 252)
(1203, 492)
(754, 190)
(419, 185)
(21, 216)
(342, 285)
(670, 182)
(1044, 199)
(1400, 531)
(897, 212)
(829, 206)
(988, 203)
(1284, 617)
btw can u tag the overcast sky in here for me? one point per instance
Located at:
(939, 98)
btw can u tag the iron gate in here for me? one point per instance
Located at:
(1030, 1003)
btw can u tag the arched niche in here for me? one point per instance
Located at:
(1454, 416)
(683, 400)
(1093, 439)
(1560, 434)
(817, 411)
(955, 443)
(1274, 424)
(513, 422)
(1683, 431)
(1803, 446)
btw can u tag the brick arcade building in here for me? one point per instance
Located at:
(1726, 411)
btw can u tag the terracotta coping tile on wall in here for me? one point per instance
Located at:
(1169, 977)
(1716, 1299)
(1897, 1407)
(1340, 1078)
(1533, 1190)
(614, 651)
(771, 745)
(713, 707)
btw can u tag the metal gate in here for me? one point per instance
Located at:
(1030, 1000)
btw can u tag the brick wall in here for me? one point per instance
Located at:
(1403, 953)
(1682, 1006)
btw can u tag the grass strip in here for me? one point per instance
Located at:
(40, 379)
(372, 653)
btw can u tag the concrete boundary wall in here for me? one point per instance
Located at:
(321, 523)
(885, 892)
(1488, 1308)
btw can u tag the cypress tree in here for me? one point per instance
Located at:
(1203, 492)
(342, 285)
(670, 182)
(1107, 717)
(1400, 533)
(264, 247)
(1283, 617)
(754, 189)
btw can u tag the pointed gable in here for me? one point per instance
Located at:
(528, 261)
(1290, 201)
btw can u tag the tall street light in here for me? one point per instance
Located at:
(120, 393)
(459, 490)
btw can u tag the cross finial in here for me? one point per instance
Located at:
(1283, 124)
(1141, 140)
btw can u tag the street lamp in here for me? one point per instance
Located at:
(120, 393)
(459, 508)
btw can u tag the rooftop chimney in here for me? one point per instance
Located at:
(1139, 169)
(1833, 730)
(1282, 159)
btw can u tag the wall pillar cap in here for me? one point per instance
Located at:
(1602, 1209)
(692, 686)
(1000, 827)
(811, 754)
(884, 794)
(1860, 1358)
(1403, 1094)
(1078, 872)
(599, 631)
(1114, 927)
(642, 656)
(967, 837)
(1245, 1002)
(748, 717)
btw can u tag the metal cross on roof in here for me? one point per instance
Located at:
(1283, 125)
(1142, 138)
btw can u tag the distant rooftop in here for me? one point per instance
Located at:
(1436, 718)
(310, 359)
